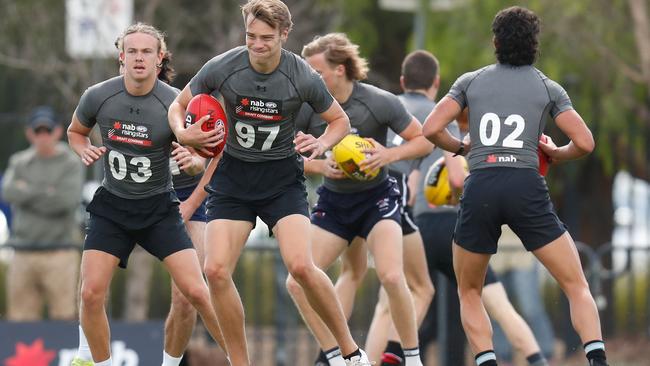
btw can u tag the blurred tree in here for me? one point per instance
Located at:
(598, 49)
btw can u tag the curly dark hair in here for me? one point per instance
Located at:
(515, 32)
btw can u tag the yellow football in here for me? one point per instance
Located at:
(437, 190)
(348, 153)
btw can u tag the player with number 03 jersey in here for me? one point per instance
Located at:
(135, 203)
(509, 103)
(261, 171)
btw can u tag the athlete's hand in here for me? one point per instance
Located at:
(330, 168)
(91, 154)
(306, 143)
(186, 211)
(182, 155)
(376, 157)
(194, 136)
(550, 149)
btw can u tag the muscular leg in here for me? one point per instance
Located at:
(561, 259)
(514, 326)
(470, 269)
(97, 269)
(385, 243)
(317, 288)
(354, 265)
(419, 282)
(223, 246)
(182, 315)
(185, 270)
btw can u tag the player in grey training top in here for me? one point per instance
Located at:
(136, 164)
(261, 173)
(135, 203)
(349, 208)
(508, 104)
(505, 127)
(373, 112)
(261, 108)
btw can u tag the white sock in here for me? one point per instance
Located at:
(83, 353)
(336, 361)
(412, 357)
(170, 360)
(108, 362)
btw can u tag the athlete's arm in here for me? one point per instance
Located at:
(193, 135)
(338, 125)
(199, 194)
(80, 143)
(582, 141)
(412, 183)
(415, 146)
(434, 128)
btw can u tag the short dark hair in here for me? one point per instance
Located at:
(419, 69)
(515, 32)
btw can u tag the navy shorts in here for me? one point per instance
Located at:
(408, 224)
(517, 197)
(116, 224)
(355, 214)
(200, 213)
(437, 229)
(270, 190)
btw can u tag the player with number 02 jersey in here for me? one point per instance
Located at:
(508, 105)
(261, 172)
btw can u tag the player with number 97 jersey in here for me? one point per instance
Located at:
(261, 108)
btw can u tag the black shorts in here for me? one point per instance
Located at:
(200, 213)
(513, 196)
(116, 224)
(270, 190)
(408, 224)
(355, 214)
(437, 229)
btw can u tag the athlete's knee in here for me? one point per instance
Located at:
(301, 270)
(92, 296)
(391, 278)
(293, 287)
(217, 273)
(423, 290)
(469, 293)
(181, 306)
(197, 294)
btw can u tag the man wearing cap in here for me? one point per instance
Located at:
(43, 185)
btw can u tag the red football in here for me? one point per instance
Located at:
(544, 160)
(199, 106)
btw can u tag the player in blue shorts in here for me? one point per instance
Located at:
(369, 209)
(261, 172)
(508, 105)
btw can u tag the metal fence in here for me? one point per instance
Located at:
(622, 295)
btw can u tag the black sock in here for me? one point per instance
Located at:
(537, 359)
(322, 358)
(486, 358)
(394, 348)
(595, 350)
(355, 353)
